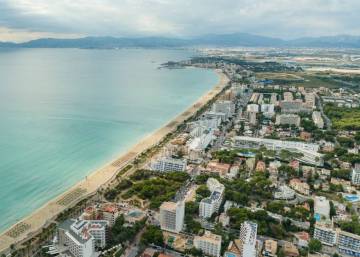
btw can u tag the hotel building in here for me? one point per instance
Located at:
(172, 216)
(209, 243)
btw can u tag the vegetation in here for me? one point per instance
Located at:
(239, 190)
(121, 234)
(341, 173)
(191, 211)
(157, 189)
(203, 191)
(343, 118)
(152, 235)
(314, 246)
(352, 226)
(266, 225)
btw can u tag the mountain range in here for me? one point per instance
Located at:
(225, 40)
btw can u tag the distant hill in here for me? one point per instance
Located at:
(342, 41)
(226, 40)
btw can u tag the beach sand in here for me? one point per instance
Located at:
(33, 223)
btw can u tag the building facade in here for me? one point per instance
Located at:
(172, 216)
(209, 243)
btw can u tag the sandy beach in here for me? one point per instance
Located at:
(33, 223)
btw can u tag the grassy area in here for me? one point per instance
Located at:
(155, 187)
(301, 79)
(343, 118)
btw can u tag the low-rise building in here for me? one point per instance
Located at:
(284, 193)
(209, 243)
(216, 167)
(309, 151)
(325, 233)
(288, 119)
(302, 239)
(167, 164)
(348, 244)
(290, 250)
(270, 248)
(299, 186)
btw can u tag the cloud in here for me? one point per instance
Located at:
(278, 18)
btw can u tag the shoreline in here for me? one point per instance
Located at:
(41, 217)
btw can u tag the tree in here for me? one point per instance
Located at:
(195, 252)
(314, 246)
(332, 209)
(153, 235)
(203, 191)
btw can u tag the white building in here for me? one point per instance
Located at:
(309, 151)
(348, 244)
(215, 115)
(325, 233)
(284, 193)
(210, 205)
(166, 164)
(209, 243)
(355, 175)
(172, 216)
(226, 107)
(310, 100)
(213, 184)
(253, 108)
(201, 142)
(288, 119)
(81, 236)
(248, 234)
(322, 207)
(288, 96)
(317, 119)
(268, 110)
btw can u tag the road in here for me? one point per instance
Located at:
(327, 120)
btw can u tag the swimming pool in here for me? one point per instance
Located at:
(352, 198)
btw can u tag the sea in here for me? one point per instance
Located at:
(66, 112)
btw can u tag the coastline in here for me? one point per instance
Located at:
(33, 223)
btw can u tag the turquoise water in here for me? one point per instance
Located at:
(66, 112)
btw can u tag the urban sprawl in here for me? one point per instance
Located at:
(265, 169)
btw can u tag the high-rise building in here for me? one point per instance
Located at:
(226, 107)
(172, 216)
(209, 243)
(317, 119)
(248, 234)
(81, 236)
(210, 205)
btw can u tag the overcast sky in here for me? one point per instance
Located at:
(22, 20)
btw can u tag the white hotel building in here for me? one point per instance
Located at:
(209, 243)
(166, 164)
(172, 216)
(210, 205)
(81, 236)
(309, 151)
(248, 234)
